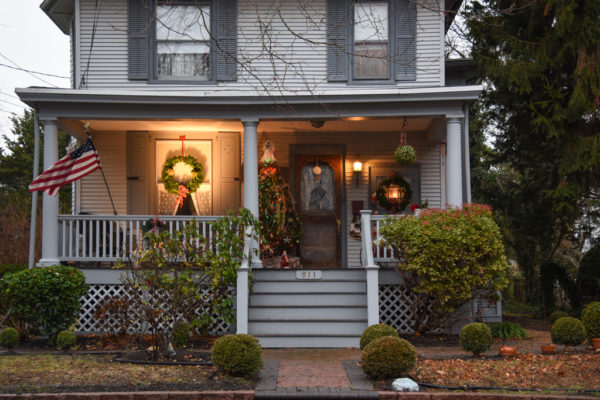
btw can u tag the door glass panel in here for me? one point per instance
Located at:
(317, 192)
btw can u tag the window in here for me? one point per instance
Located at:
(371, 40)
(183, 42)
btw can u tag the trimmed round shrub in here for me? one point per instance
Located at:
(46, 297)
(66, 340)
(238, 355)
(590, 318)
(568, 331)
(376, 331)
(556, 315)
(9, 338)
(476, 338)
(181, 334)
(388, 357)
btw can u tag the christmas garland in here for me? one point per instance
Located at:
(393, 205)
(171, 185)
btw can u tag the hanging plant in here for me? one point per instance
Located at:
(405, 155)
(393, 204)
(171, 186)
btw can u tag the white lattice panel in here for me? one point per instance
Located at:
(101, 292)
(394, 307)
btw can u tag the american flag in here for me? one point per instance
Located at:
(73, 166)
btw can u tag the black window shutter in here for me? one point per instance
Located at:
(337, 40)
(226, 36)
(137, 32)
(406, 40)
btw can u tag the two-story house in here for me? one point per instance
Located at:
(331, 83)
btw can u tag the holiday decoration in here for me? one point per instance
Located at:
(280, 225)
(393, 194)
(192, 185)
(405, 154)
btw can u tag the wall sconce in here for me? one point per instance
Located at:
(357, 169)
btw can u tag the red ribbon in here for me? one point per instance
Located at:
(183, 193)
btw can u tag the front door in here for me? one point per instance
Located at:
(318, 194)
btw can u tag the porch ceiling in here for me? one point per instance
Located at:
(351, 124)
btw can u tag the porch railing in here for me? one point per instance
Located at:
(381, 252)
(110, 238)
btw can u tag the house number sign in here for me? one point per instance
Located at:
(308, 275)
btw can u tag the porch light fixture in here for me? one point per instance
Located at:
(357, 169)
(317, 171)
(393, 192)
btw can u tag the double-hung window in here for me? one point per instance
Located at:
(183, 45)
(371, 40)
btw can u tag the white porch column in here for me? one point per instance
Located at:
(251, 177)
(453, 163)
(50, 203)
(242, 299)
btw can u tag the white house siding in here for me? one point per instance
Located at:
(93, 195)
(371, 149)
(303, 74)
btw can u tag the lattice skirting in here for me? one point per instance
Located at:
(98, 294)
(394, 307)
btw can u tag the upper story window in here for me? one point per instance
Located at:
(183, 44)
(371, 40)
(182, 40)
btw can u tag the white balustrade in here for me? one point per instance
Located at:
(112, 238)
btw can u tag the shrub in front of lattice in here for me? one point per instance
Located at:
(66, 340)
(9, 338)
(590, 318)
(376, 331)
(238, 355)
(568, 331)
(48, 298)
(388, 357)
(181, 334)
(450, 255)
(476, 338)
(556, 315)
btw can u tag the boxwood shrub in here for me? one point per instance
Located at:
(388, 357)
(46, 297)
(568, 331)
(181, 333)
(376, 331)
(238, 355)
(476, 338)
(590, 317)
(9, 338)
(556, 315)
(66, 340)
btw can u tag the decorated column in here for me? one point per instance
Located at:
(453, 163)
(50, 203)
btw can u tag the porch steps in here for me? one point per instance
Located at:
(288, 312)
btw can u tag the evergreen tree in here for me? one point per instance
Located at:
(279, 223)
(541, 65)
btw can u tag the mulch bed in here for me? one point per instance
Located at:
(432, 339)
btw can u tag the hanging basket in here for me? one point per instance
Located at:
(405, 155)
(168, 180)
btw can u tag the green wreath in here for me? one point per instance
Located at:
(171, 185)
(393, 205)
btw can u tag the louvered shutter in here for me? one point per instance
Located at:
(137, 32)
(337, 40)
(406, 40)
(226, 35)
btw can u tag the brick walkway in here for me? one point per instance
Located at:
(301, 373)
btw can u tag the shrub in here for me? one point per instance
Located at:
(507, 330)
(6, 269)
(476, 338)
(450, 255)
(376, 331)
(9, 338)
(590, 317)
(238, 355)
(588, 274)
(66, 340)
(46, 297)
(556, 315)
(181, 334)
(568, 331)
(388, 357)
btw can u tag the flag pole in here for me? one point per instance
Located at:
(34, 195)
(87, 130)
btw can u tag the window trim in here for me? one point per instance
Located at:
(152, 53)
(391, 79)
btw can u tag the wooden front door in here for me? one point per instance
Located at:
(318, 202)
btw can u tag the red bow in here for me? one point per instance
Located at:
(183, 193)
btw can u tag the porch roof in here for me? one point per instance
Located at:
(53, 103)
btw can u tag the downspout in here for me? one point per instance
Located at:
(34, 195)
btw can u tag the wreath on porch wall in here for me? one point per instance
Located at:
(171, 186)
(393, 205)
